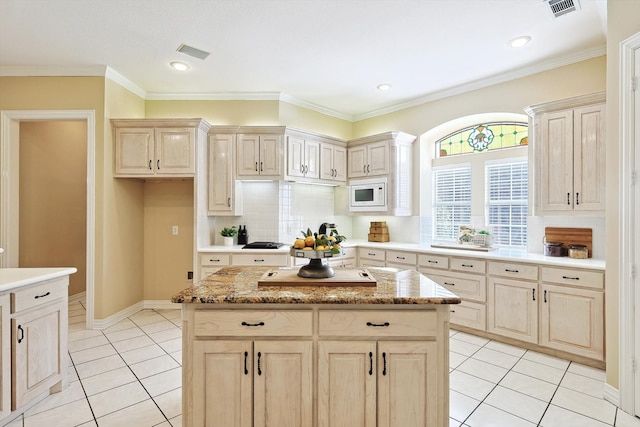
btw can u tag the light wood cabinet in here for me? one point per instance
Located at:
(513, 309)
(225, 192)
(401, 259)
(368, 257)
(569, 155)
(369, 160)
(5, 357)
(303, 158)
(259, 155)
(39, 324)
(333, 163)
(157, 148)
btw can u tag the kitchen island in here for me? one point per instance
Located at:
(315, 355)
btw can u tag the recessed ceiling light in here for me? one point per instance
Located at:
(519, 41)
(384, 86)
(180, 66)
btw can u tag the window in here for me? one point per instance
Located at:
(483, 137)
(506, 205)
(452, 201)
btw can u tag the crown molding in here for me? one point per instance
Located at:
(315, 107)
(490, 81)
(51, 71)
(118, 78)
(214, 96)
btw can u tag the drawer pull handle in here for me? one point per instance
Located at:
(545, 296)
(384, 363)
(534, 293)
(42, 296)
(570, 278)
(449, 284)
(150, 165)
(21, 334)
(256, 166)
(259, 370)
(370, 363)
(246, 356)
(400, 257)
(261, 167)
(511, 271)
(228, 202)
(214, 260)
(378, 325)
(432, 261)
(568, 198)
(577, 198)
(258, 260)
(252, 324)
(468, 265)
(453, 311)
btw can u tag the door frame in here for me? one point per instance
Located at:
(629, 276)
(9, 187)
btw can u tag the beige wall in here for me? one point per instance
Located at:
(167, 257)
(53, 197)
(622, 16)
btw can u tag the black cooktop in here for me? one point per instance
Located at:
(263, 245)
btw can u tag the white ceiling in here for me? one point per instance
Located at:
(326, 54)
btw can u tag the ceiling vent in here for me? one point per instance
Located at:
(192, 51)
(562, 7)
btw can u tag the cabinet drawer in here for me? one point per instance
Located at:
(508, 269)
(470, 265)
(377, 323)
(214, 259)
(348, 253)
(466, 286)
(259, 323)
(401, 258)
(369, 253)
(433, 261)
(271, 260)
(469, 314)
(38, 295)
(585, 278)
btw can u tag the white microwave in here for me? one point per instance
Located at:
(368, 195)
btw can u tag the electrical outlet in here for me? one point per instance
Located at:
(174, 230)
(189, 275)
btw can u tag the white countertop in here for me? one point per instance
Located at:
(518, 255)
(11, 278)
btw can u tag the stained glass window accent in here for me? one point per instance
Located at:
(483, 137)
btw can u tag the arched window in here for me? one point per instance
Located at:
(480, 182)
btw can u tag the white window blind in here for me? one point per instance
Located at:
(507, 190)
(452, 201)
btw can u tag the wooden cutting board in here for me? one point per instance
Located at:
(570, 236)
(343, 277)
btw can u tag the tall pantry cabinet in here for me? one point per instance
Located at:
(569, 152)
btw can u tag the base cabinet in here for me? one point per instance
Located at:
(245, 383)
(513, 309)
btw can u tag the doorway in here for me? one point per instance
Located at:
(10, 189)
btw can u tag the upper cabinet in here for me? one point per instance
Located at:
(225, 195)
(315, 158)
(303, 158)
(333, 163)
(259, 154)
(157, 147)
(568, 153)
(387, 155)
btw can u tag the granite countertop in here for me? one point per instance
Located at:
(239, 285)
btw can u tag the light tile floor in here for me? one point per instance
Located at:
(130, 375)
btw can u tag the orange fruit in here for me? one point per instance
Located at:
(309, 241)
(299, 244)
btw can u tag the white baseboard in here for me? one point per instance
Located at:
(611, 395)
(115, 318)
(142, 305)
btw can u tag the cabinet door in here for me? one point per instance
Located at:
(378, 158)
(295, 156)
(270, 153)
(555, 188)
(589, 158)
(283, 378)
(408, 384)
(326, 161)
(340, 164)
(222, 184)
(5, 357)
(346, 383)
(248, 155)
(312, 159)
(513, 309)
(572, 320)
(175, 151)
(357, 158)
(38, 356)
(222, 381)
(134, 151)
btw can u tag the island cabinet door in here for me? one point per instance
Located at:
(407, 384)
(283, 378)
(222, 383)
(347, 383)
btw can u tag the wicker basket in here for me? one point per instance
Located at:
(484, 240)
